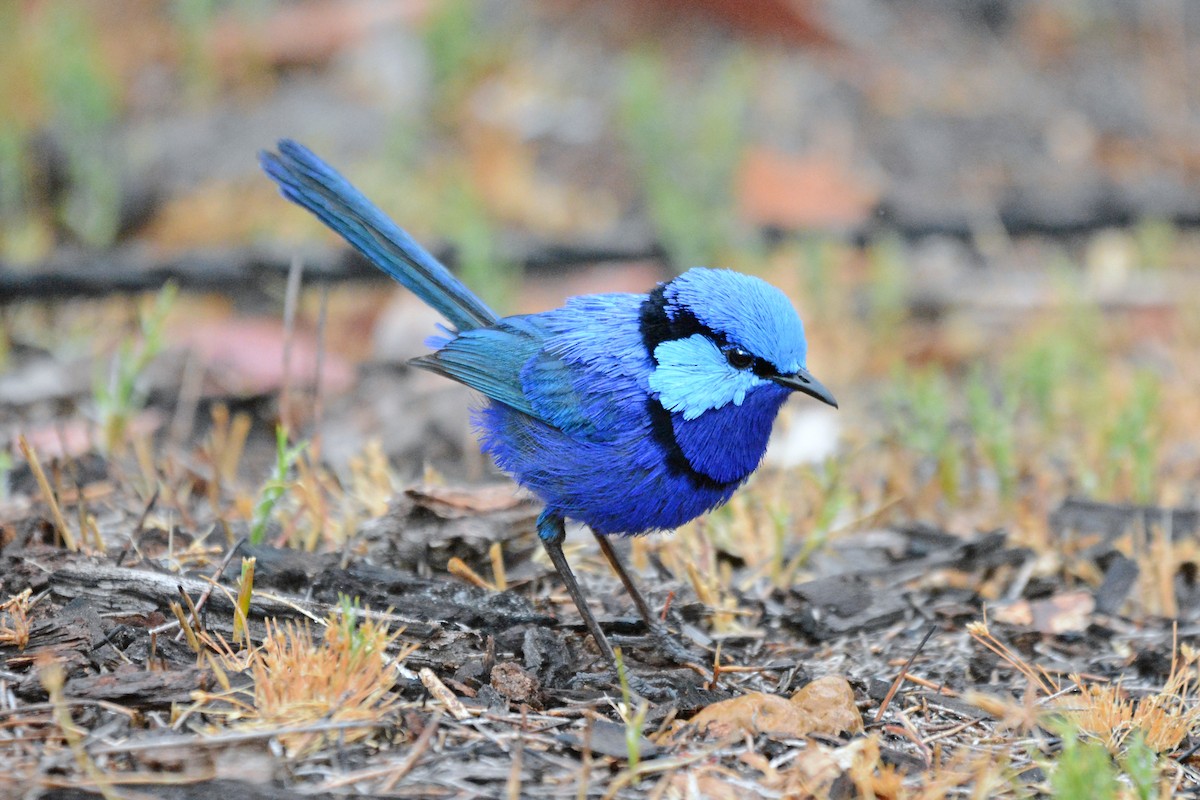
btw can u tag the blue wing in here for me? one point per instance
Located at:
(489, 360)
(308, 181)
(566, 386)
(566, 396)
(509, 363)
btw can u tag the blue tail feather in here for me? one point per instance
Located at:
(308, 181)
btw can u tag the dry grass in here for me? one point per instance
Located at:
(1163, 719)
(14, 619)
(341, 677)
(964, 426)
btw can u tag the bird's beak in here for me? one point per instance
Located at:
(802, 381)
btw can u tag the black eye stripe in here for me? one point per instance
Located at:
(740, 359)
(657, 326)
(763, 368)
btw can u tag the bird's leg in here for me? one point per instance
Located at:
(658, 630)
(643, 607)
(552, 530)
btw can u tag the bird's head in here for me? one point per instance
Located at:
(718, 337)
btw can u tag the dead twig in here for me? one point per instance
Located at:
(199, 606)
(226, 739)
(414, 754)
(895, 687)
(443, 695)
(394, 772)
(39, 475)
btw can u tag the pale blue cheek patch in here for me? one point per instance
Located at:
(693, 376)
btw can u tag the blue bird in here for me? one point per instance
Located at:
(629, 413)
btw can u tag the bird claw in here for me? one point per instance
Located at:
(662, 691)
(672, 647)
(654, 689)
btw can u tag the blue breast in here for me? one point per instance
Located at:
(614, 459)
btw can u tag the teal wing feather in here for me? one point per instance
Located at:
(489, 360)
(509, 363)
(571, 397)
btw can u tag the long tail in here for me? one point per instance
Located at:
(308, 181)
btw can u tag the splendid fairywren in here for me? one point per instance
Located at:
(627, 412)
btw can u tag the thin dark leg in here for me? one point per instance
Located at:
(643, 607)
(669, 643)
(552, 531)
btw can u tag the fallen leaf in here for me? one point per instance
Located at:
(1060, 613)
(824, 706)
(245, 357)
(818, 767)
(456, 502)
(796, 192)
(72, 438)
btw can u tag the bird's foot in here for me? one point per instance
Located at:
(652, 688)
(659, 689)
(672, 647)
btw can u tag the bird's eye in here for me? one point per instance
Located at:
(738, 358)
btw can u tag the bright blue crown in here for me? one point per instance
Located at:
(749, 311)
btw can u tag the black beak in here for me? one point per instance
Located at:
(802, 381)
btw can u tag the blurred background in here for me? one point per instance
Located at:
(985, 211)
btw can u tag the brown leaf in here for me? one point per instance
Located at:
(72, 438)
(790, 192)
(1061, 613)
(245, 356)
(455, 502)
(824, 706)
